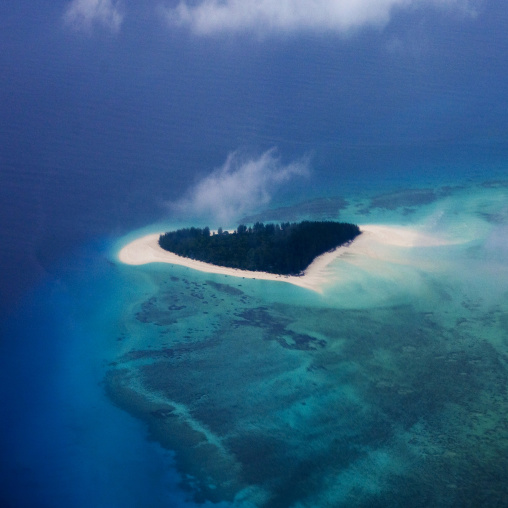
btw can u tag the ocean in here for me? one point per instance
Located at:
(160, 386)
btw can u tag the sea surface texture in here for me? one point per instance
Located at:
(158, 386)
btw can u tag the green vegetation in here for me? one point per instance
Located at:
(286, 249)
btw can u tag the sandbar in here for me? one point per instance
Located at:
(147, 250)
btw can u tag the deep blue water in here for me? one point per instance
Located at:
(98, 132)
(63, 443)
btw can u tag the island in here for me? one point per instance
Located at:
(282, 249)
(378, 243)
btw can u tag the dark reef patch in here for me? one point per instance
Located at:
(407, 199)
(276, 328)
(225, 288)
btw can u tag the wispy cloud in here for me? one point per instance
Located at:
(214, 16)
(84, 14)
(238, 187)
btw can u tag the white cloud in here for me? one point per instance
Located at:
(215, 16)
(84, 14)
(238, 187)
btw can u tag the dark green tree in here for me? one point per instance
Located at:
(283, 249)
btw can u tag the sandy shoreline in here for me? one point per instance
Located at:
(147, 250)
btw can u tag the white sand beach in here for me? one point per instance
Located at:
(147, 250)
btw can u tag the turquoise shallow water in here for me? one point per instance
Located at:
(388, 388)
(158, 385)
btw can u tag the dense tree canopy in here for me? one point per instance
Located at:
(286, 249)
